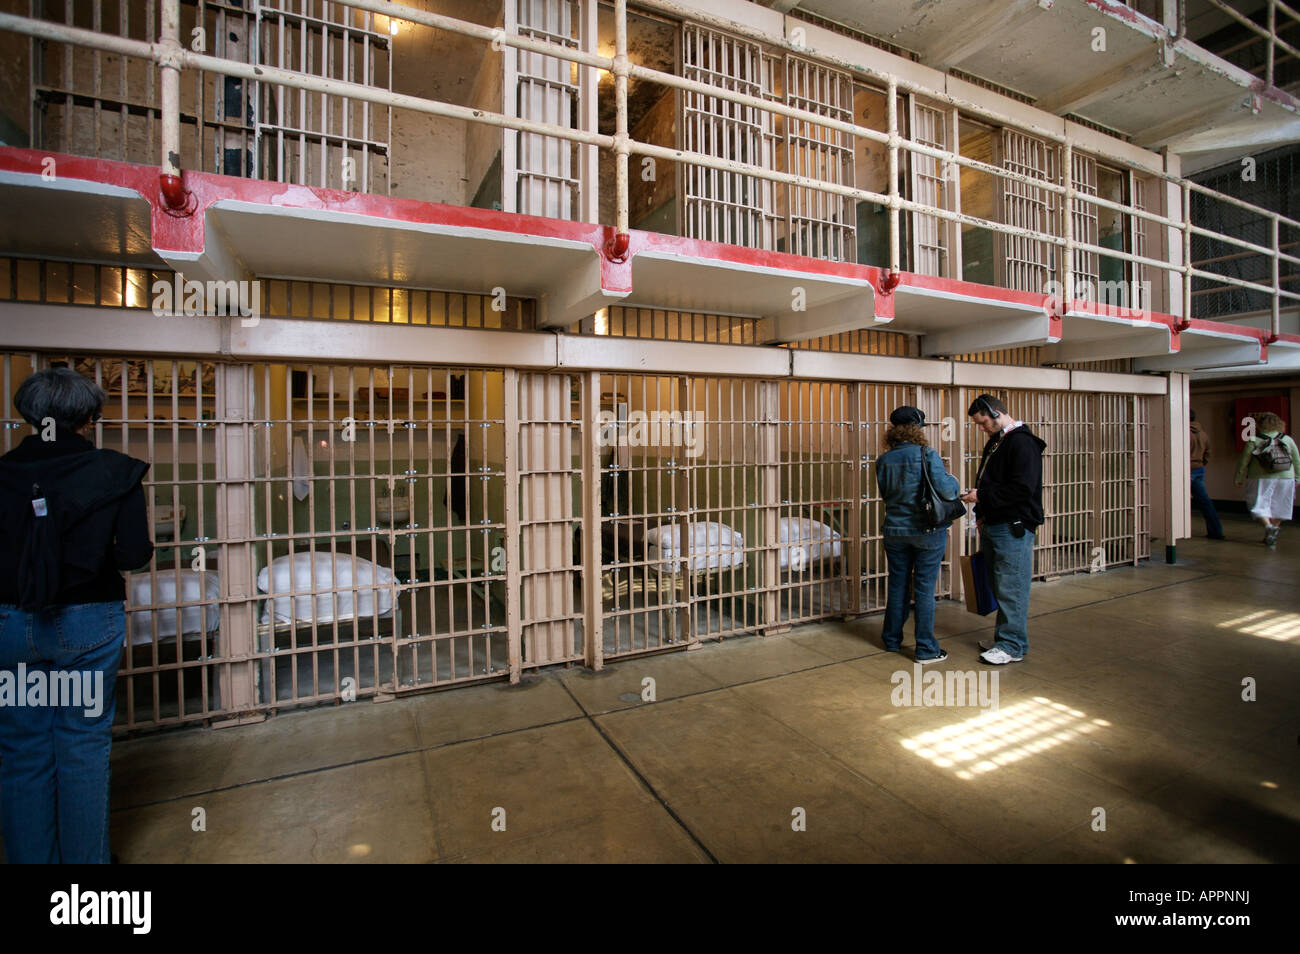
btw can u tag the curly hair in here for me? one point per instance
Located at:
(905, 433)
(1268, 421)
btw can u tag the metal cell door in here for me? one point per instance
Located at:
(929, 250)
(321, 139)
(1027, 263)
(1085, 224)
(723, 206)
(541, 174)
(1141, 299)
(819, 223)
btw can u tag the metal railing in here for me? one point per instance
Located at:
(1062, 192)
(1267, 33)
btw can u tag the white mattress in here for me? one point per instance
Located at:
(714, 546)
(195, 586)
(818, 541)
(343, 571)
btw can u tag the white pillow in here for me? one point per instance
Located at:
(713, 545)
(818, 540)
(196, 587)
(340, 573)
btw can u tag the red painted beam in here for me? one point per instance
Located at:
(183, 232)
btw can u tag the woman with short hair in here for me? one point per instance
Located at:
(1270, 493)
(913, 549)
(72, 517)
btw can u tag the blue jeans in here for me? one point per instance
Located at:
(1201, 498)
(1011, 561)
(54, 757)
(913, 559)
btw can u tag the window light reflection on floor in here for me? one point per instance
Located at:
(1269, 623)
(1002, 736)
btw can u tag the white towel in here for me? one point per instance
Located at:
(301, 469)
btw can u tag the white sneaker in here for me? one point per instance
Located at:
(999, 657)
(987, 644)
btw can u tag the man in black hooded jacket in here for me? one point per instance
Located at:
(1008, 498)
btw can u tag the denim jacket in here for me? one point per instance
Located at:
(898, 475)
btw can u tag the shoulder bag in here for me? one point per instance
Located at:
(936, 510)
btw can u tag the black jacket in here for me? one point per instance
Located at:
(1011, 479)
(96, 522)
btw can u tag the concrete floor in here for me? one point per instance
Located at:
(1129, 701)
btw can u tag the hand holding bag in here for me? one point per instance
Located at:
(977, 582)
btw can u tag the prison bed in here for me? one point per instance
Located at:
(348, 588)
(152, 599)
(713, 546)
(716, 546)
(627, 547)
(818, 541)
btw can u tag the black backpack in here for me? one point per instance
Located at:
(43, 504)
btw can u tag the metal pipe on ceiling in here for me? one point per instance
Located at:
(165, 53)
(621, 139)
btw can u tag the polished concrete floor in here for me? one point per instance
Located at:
(1127, 710)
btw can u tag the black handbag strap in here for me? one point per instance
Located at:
(932, 502)
(927, 482)
(927, 485)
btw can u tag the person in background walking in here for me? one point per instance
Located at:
(914, 550)
(1201, 457)
(1268, 466)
